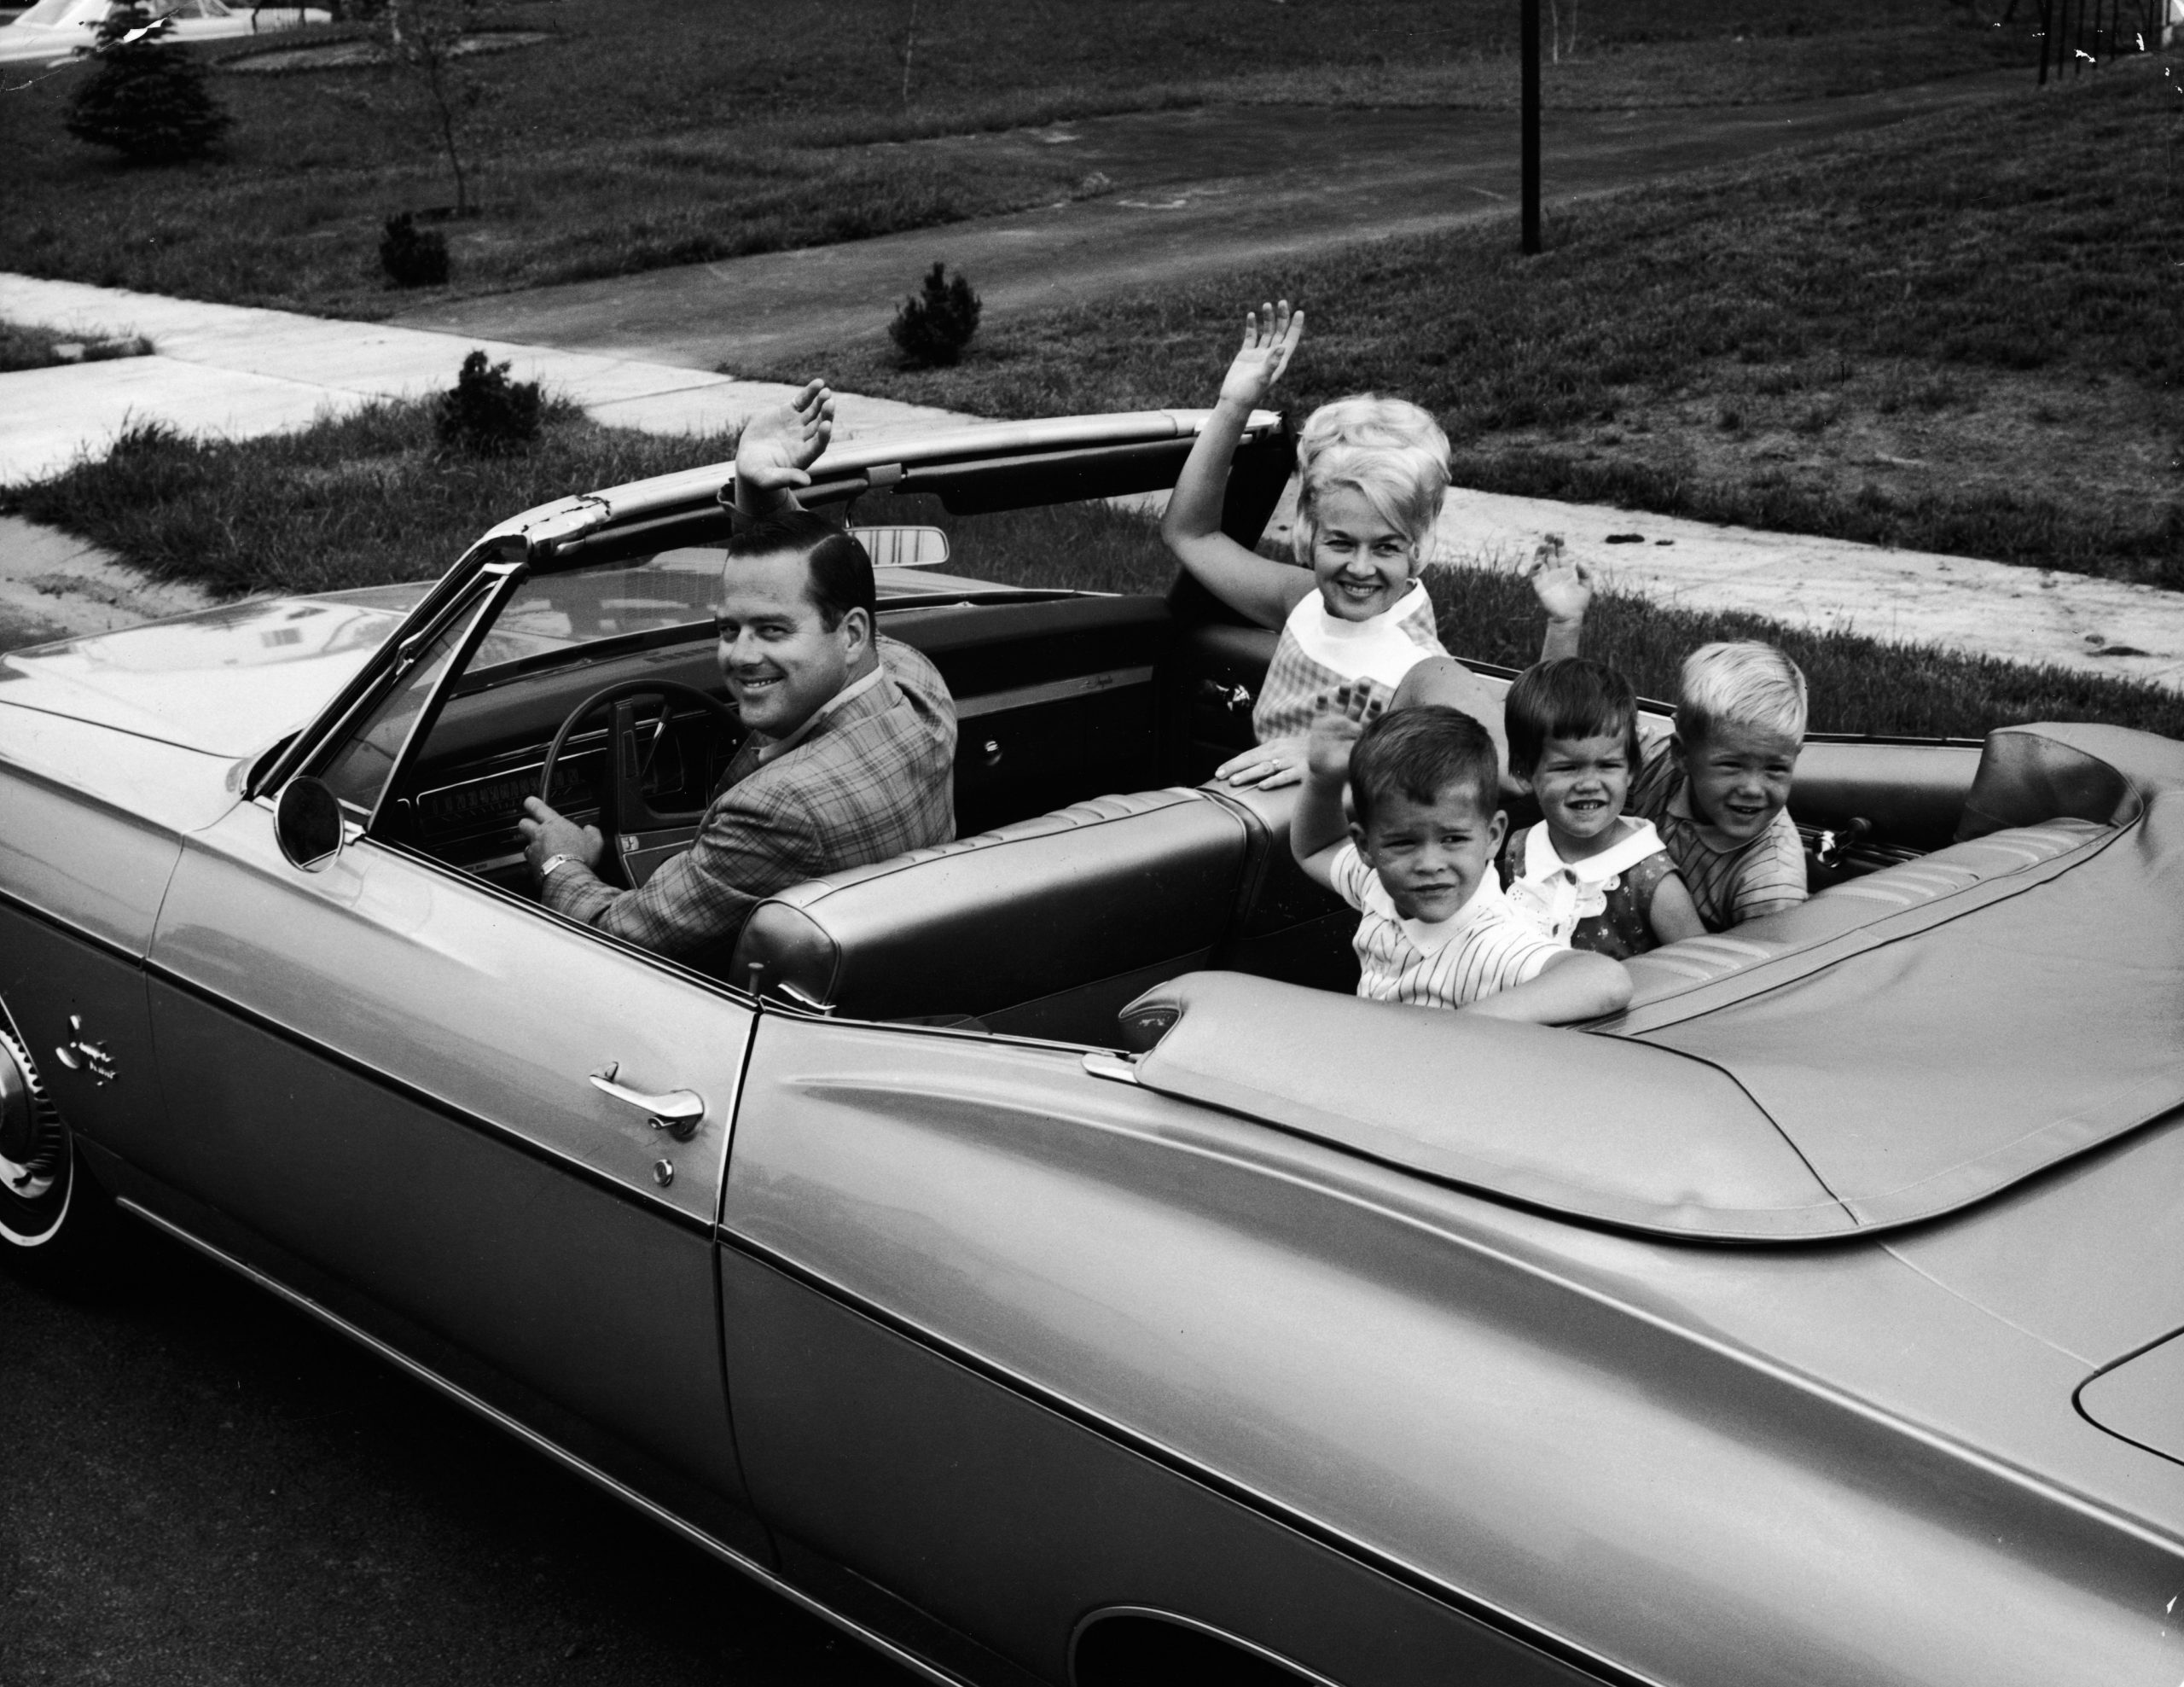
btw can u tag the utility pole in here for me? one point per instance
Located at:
(1532, 126)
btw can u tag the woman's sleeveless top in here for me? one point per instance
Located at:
(1319, 652)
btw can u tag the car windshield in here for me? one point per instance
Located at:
(553, 612)
(1089, 546)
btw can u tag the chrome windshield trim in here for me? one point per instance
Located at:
(1053, 691)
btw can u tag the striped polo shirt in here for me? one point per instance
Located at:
(1485, 946)
(1728, 882)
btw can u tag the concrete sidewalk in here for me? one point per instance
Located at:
(245, 372)
(242, 373)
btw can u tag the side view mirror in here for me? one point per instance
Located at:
(903, 547)
(307, 820)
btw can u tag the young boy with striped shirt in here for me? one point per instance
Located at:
(1718, 789)
(1417, 862)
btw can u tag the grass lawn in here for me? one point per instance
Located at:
(1960, 334)
(366, 500)
(646, 133)
(25, 347)
(369, 500)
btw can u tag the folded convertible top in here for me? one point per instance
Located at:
(1873, 1062)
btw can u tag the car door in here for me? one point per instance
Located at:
(1020, 1350)
(406, 1085)
(74, 924)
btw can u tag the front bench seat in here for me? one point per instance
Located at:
(1043, 927)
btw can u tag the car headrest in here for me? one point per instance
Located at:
(2067, 770)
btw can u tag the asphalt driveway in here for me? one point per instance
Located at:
(199, 1485)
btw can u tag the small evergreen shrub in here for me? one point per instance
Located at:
(936, 322)
(412, 257)
(484, 414)
(148, 98)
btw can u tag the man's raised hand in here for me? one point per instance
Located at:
(1270, 337)
(779, 446)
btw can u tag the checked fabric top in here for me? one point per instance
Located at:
(1319, 652)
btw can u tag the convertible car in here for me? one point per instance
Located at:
(1026, 1252)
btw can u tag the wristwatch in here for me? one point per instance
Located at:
(546, 867)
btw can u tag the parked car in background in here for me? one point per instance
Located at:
(1026, 1252)
(57, 29)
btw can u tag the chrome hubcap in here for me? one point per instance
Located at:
(33, 1147)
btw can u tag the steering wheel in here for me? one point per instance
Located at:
(623, 810)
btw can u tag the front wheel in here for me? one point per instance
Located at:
(47, 1205)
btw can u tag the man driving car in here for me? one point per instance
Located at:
(851, 750)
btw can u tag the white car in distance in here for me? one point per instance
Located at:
(54, 30)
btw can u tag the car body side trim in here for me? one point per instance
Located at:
(1311, 1677)
(68, 927)
(1482, 1611)
(424, 1098)
(524, 1432)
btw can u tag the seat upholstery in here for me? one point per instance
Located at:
(1044, 926)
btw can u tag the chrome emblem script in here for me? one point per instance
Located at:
(80, 1054)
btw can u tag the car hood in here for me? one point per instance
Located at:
(226, 681)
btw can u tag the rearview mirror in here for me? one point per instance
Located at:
(903, 547)
(307, 820)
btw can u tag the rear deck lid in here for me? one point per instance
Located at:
(2142, 1400)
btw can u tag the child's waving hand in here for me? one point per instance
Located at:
(1270, 337)
(1342, 720)
(1348, 709)
(1564, 586)
(1317, 827)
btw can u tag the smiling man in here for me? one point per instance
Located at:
(849, 760)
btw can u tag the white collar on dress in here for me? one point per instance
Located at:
(1542, 861)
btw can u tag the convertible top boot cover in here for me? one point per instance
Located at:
(1875, 1077)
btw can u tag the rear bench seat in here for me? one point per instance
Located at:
(1050, 926)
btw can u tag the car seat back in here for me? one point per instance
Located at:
(1043, 927)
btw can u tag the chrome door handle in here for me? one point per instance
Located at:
(677, 1112)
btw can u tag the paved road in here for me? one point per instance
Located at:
(1196, 193)
(199, 1486)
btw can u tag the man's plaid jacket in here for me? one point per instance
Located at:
(873, 778)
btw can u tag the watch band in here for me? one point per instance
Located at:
(546, 867)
